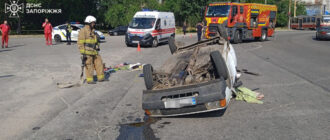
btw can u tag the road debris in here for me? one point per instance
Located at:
(245, 94)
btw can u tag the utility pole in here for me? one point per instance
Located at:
(289, 14)
(295, 8)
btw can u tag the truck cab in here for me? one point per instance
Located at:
(242, 20)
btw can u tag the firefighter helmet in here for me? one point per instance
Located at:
(90, 19)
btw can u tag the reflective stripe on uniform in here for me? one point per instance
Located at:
(89, 41)
(89, 79)
(88, 52)
(100, 77)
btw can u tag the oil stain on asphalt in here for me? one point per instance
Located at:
(138, 131)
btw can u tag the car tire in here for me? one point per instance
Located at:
(57, 38)
(173, 35)
(171, 44)
(222, 30)
(219, 65)
(154, 43)
(263, 35)
(147, 74)
(237, 37)
(128, 45)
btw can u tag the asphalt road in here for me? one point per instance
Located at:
(294, 77)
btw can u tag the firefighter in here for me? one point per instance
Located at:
(5, 28)
(89, 48)
(48, 32)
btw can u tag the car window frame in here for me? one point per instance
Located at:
(62, 27)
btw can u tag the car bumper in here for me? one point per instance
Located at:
(102, 37)
(325, 36)
(209, 98)
(135, 39)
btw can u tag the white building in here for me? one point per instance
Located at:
(316, 7)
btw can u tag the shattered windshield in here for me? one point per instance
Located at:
(142, 23)
(218, 11)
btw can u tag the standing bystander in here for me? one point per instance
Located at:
(68, 31)
(48, 32)
(5, 28)
(199, 29)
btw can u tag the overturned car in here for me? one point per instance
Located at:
(197, 78)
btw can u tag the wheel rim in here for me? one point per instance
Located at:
(57, 39)
(154, 43)
(239, 37)
(263, 36)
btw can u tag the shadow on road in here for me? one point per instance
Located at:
(142, 46)
(6, 76)
(212, 114)
(7, 50)
(15, 46)
(314, 38)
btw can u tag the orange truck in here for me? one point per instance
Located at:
(244, 21)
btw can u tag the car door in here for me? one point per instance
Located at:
(62, 32)
(75, 33)
(158, 29)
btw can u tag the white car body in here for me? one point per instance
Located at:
(60, 31)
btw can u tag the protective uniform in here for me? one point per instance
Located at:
(68, 31)
(48, 32)
(89, 47)
(5, 28)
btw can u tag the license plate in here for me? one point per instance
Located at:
(178, 103)
(136, 42)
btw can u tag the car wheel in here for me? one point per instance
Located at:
(148, 79)
(115, 33)
(57, 38)
(154, 43)
(263, 35)
(237, 37)
(128, 45)
(219, 65)
(171, 44)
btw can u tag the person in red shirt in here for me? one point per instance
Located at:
(5, 28)
(48, 31)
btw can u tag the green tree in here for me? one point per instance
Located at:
(120, 12)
